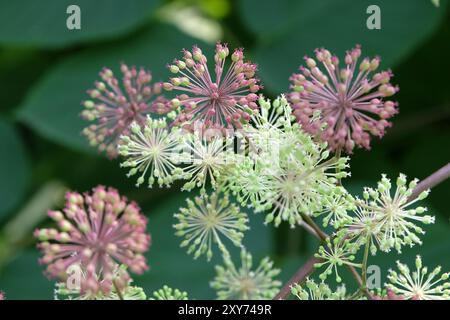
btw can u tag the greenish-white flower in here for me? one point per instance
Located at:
(420, 284)
(389, 217)
(311, 290)
(336, 209)
(205, 159)
(244, 283)
(167, 293)
(151, 150)
(336, 253)
(288, 173)
(207, 220)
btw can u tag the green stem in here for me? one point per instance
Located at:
(364, 263)
(338, 156)
(119, 293)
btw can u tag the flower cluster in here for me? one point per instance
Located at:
(310, 290)
(245, 283)
(386, 218)
(336, 253)
(167, 293)
(419, 284)
(289, 174)
(206, 220)
(221, 101)
(152, 150)
(114, 107)
(352, 102)
(280, 157)
(97, 232)
(2, 295)
(167, 155)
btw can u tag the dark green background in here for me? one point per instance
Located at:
(45, 70)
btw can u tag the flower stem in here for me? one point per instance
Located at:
(338, 156)
(431, 181)
(119, 293)
(364, 267)
(322, 236)
(300, 276)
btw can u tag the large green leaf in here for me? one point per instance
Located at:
(171, 265)
(43, 23)
(23, 279)
(287, 30)
(14, 168)
(53, 107)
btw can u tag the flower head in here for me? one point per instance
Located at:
(205, 159)
(207, 220)
(153, 150)
(313, 291)
(335, 210)
(289, 174)
(336, 253)
(245, 283)
(167, 293)
(220, 101)
(353, 102)
(419, 284)
(114, 107)
(98, 231)
(2, 295)
(387, 216)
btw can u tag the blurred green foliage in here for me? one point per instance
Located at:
(45, 70)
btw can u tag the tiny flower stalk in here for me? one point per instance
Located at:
(113, 106)
(221, 101)
(244, 283)
(167, 293)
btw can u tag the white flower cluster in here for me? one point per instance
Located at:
(273, 166)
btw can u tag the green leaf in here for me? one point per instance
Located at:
(23, 279)
(289, 29)
(14, 168)
(43, 23)
(171, 265)
(54, 105)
